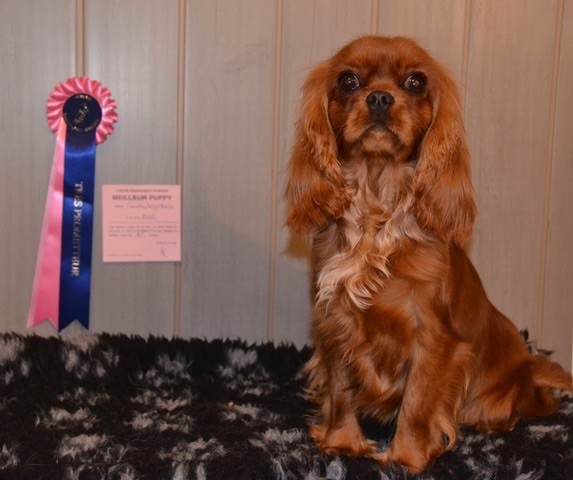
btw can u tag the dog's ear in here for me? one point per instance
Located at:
(442, 182)
(315, 188)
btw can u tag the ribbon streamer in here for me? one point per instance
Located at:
(82, 114)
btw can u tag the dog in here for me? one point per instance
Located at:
(403, 331)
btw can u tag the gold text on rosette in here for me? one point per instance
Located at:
(77, 229)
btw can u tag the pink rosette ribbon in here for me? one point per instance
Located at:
(82, 114)
(78, 85)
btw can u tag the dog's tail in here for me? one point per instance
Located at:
(547, 377)
(549, 374)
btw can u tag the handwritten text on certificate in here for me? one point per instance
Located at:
(141, 223)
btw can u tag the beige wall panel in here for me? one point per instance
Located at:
(508, 114)
(228, 163)
(37, 50)
(243, 275)
(312, 31)
(558, 305)
(131, 47)
(438, 25)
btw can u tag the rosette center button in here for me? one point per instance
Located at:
(82, 113)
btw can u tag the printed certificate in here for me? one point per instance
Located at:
(141, 223)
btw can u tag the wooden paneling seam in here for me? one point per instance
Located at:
(466, 55)
(543, 255)
(275, 173)
(374, 5)
(180, 152)
(80, 39)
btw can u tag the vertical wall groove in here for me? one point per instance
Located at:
(80, 38)
(275, 173)
(374, 4)
(180, 151)
(466, 56)
(548, 174)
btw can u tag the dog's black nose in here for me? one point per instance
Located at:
(379, 102)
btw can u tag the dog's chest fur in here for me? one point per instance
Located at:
(357, 249)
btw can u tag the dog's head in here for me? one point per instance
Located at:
(382, 99)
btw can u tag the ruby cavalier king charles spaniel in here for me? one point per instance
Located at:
(403, 331)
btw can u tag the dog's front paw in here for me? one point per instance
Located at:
(413, 463)
(342, 441)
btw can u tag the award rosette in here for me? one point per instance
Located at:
(82, 114)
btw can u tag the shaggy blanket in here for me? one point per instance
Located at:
(124, 408)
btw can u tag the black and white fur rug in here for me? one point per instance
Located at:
(84, 406)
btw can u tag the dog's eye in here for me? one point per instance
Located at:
(348, 82)
(415, 83)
